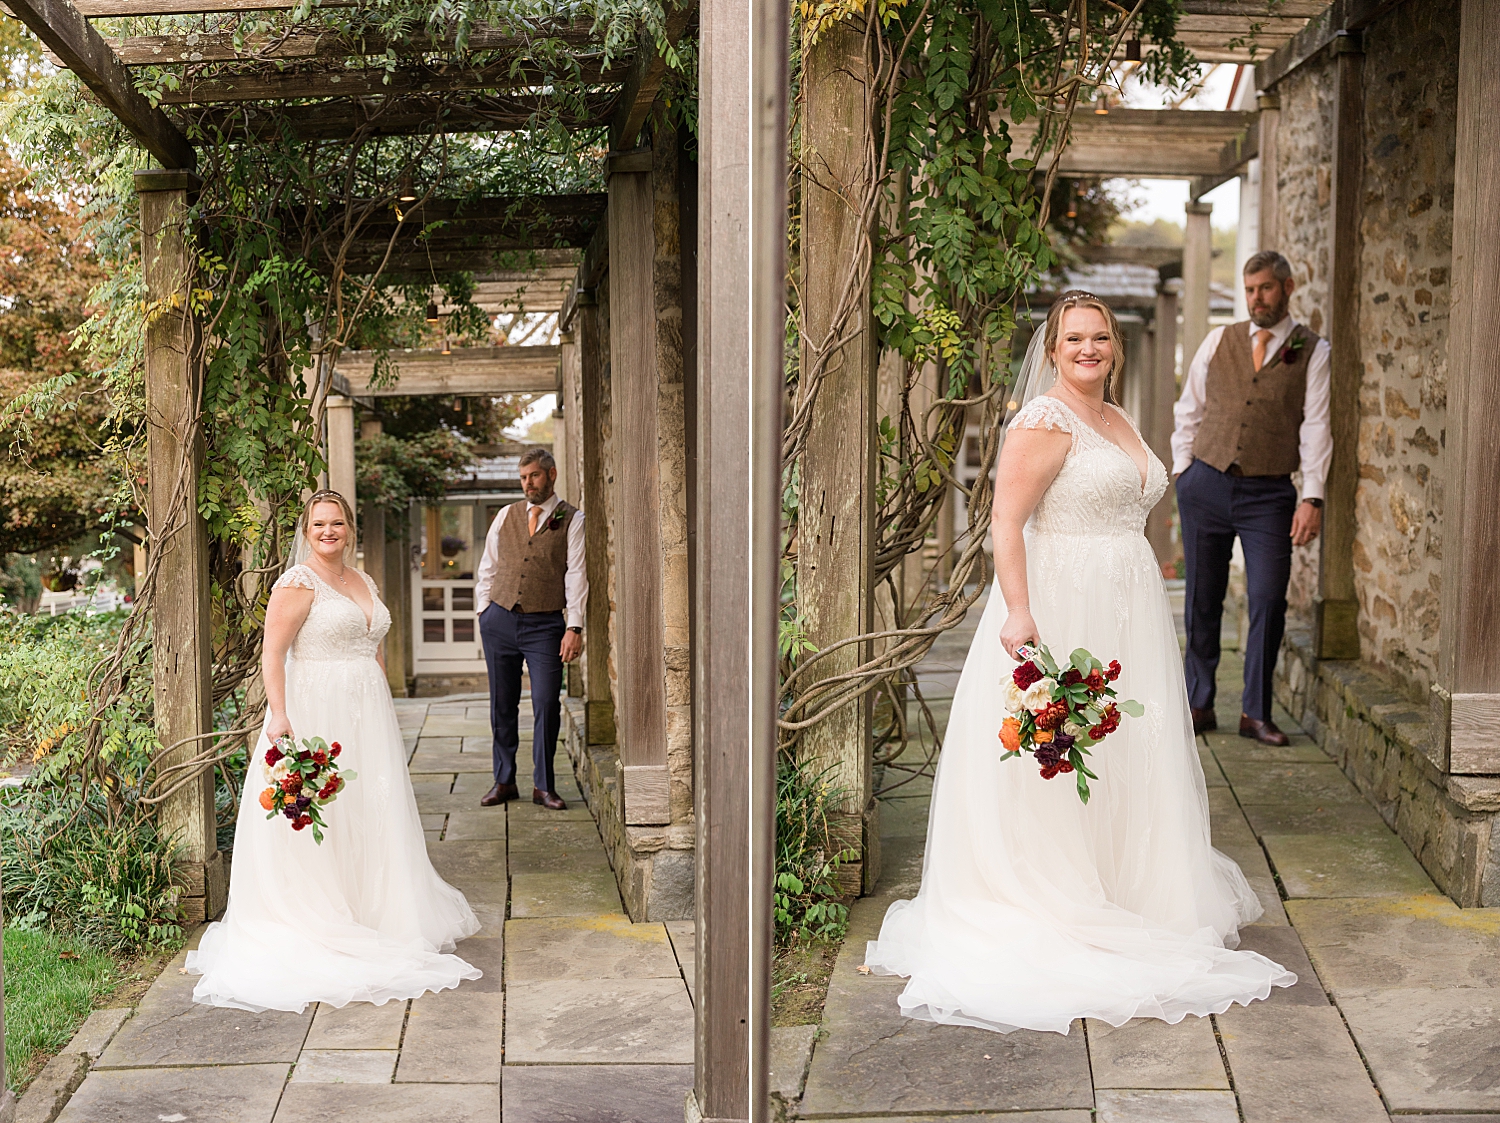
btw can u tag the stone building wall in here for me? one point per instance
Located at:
(1411, 90)
(1304, 180)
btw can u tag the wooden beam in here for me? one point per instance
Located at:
(220, 46)
(599, 696)
(469, 371)
(590, 269)
(1197, 260)
(60, 26)
(1153, 256)
(643, 80)
(373, 81)
(117, 9)
(1467, 697)
(1180, 143)
(1336, 606)
(1161, 394)
(1270, 171)
(1313, 39)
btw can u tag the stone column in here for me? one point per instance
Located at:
(1157, 401)
(1197, 259)
(1467, 696)
(339, 422)
(182, 646)
(372, 517)
(1335, 608)
(1270, 198)
(836, 531)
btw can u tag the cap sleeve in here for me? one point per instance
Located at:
(299, 576)
(1044, 412)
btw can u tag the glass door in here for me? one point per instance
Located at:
(445, 632)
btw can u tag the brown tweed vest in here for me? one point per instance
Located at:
(1254, 418)
(529, 568)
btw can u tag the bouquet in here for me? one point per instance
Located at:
(303, 782)
(1058, 714)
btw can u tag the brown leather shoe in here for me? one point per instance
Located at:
(550, 800)
(1204, 721)
(1263, 731)
(500, 793)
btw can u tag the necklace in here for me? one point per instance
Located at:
(1091, 409)
(339, 576)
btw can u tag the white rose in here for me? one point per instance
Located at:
(1011, 697)
(279, 771)
(1038, 695)
(1072, 728)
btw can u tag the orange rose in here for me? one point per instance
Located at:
(1042, 736)
(268, 799)
(1010, 734)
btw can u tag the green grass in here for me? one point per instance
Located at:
(47, 997)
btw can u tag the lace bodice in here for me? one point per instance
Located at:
(335, 627)
(1098, 491)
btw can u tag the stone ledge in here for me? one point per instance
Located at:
(53, 1087)
(1382, 742)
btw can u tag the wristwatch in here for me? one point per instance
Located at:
(576, 631)
(1318, 503)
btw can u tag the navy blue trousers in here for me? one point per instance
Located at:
(1216, 508)
(510, 638)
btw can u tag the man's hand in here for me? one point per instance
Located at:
(572, 646)
(1306, 523)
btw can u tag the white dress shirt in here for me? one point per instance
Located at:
(1315, 438)
(575, 579)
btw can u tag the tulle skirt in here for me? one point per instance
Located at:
(1036, 909)
(362, 918)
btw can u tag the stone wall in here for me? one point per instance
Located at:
(1304, 179)
(1411, 84)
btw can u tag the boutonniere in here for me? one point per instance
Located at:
(1292, 349)
(558, 514)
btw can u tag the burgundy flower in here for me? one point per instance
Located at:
(320, 758)
(1053, 716)
(300, 822)
(304, 756)
(337, 748)
(1114, 670)
(292, 784)
(1072, 677)
(1026, 674)
(1064, 742)
(290, 811)
(1095, 681)
(1050, 770)
(273, 754)
(1048, 756)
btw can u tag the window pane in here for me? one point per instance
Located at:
(432, 600)
(463, 629)
(463, 598)
(433, 630)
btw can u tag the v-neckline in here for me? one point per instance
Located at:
(369, 616)
(1144, 473)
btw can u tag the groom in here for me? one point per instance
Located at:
(1253, 410)
(529, 593)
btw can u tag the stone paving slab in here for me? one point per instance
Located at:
(1315, 818)
(1147, 1053)
(1431, 1050)
(431, 787)
(454, 725)
(787, 1060)
(579, 894)
(488, 954)
(481, 824)
(523, 810)
(1315, 865)
(359, 1025)
(685, 946)
(428, 760)
(982, 1117)
(1296, 1064)
(389, 1103)
(1260, 782)
(904, 817)
(587, 947)
(245, 1093)
(1364, 946)
(636, 1021)
(636, 1093)
(455, 1037)
(1166, 1107)
(561, 864)
(1232, 747)
(1213, 775)
(1283, 945)
(345, 1066)
(476, 867)
(440, 744)
(553, 833)
(97, 1031)
(474, 784)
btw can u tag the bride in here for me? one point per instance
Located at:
(362, 917)
(1035, 908)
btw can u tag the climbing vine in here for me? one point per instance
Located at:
(955, 218)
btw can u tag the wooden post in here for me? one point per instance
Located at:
(1467, 696)
(565, 452)
(743, 93)
(1336, 607)
(182, 649)
(1160, 393)
(1270, 196)
(599, 698)
(634, 388)
(836, 530)
(339, 421)
(1197, 259)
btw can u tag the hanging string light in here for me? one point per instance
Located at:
(432, 312)
(406, 191)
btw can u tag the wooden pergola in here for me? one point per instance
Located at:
(738, 310)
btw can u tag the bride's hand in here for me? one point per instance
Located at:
(278, 727)
(1019, 628)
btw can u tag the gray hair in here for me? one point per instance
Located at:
(538, 456)
(1279, 266)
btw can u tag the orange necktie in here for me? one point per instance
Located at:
(1258, 355)
(535, 514)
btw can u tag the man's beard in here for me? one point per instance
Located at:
(1269, 318)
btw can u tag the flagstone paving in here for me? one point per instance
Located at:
(1395, 1016)
(580, 1015)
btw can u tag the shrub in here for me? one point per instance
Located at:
(806, 903)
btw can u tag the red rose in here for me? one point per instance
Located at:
(1095, 681)
(1053, 716)
(273, 754)
(1114, 670)
(320, 758)
(1026, 674)
(1071, 677)
(337, 748)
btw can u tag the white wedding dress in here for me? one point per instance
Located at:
(363, 917)
(1036, 909)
